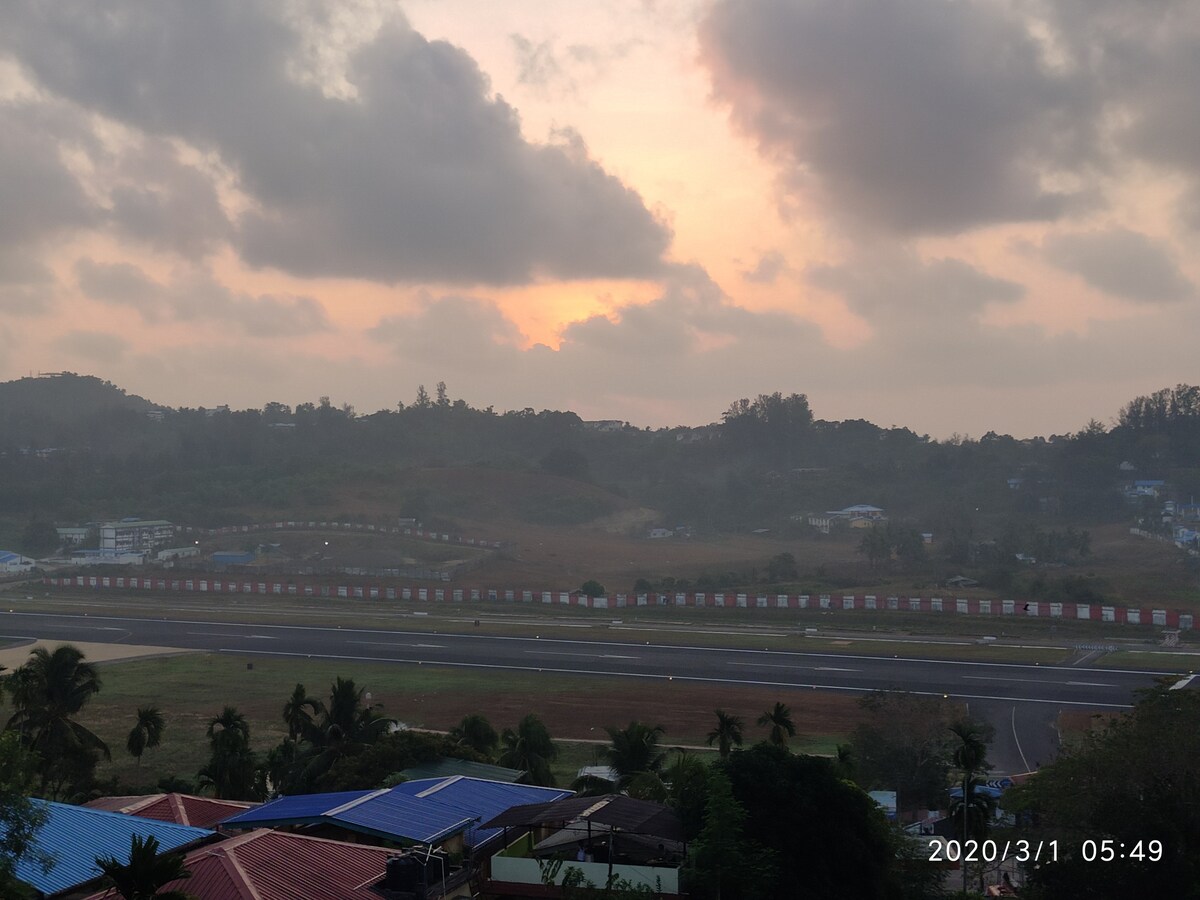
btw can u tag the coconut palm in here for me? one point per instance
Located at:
(529, 748)
(727, 734)
(47, 692)
(300, 712)
(779, 718)
(970, 758)
(146, 733)
(476, 733)
(230, 770)
(634, 752)
(146, 872)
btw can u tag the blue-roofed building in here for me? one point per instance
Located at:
(434, 811)
(73, 836)
(14, 562)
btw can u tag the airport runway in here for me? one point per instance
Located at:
(1021, 700)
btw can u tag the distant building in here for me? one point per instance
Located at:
(178, 553)
(108, 557)
(14, 563)
(72, 537)
(136, 534)
(661, 533)
(605, 425)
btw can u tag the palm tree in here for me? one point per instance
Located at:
(637, 757)
(727, 734)
(146, 871)
(47, 692)
(346, 722)
(476, 733)
(970, 758)
(779, 717)
(230, 770)
(299, 712)
(146, 733)
(529, 748)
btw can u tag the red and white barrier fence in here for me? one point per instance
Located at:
(841, 602)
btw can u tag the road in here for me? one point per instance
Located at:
(1020, 700)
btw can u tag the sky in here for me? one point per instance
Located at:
(956, 216)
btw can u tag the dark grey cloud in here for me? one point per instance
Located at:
(422, 175)
(196, 297)
(165, 203)
(929, 116)
(39, 195)
(1122, 263)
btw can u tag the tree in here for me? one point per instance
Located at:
(1132, 780)
(39, 538)
(146, 872)
(47, 692)
(529, 748)
(443, 399)
(970, 758)
(231, 768)
(727, 734)
(875, 546)
(779, 718)
(782, 568)
(299, 712)
(721, 863)
(592, 588)
(476, 733)
(823, 832)
(422, 401)
(20, 817)
(146, 733)
(904, 745)
(344, 725)
(637, 757)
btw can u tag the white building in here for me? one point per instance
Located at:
(14, 563)
(72, 537)
(136, 534)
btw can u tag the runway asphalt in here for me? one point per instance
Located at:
(1021, 700)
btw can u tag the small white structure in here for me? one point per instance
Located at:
(178, 553)
(661, 533)
(14, 563)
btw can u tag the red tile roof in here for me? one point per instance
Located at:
(182, 809)
(276, 865)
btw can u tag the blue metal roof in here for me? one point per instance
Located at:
(480, 799)
(73, 836)
(294, 810)
(425, 811)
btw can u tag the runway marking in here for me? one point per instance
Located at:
(787, 666)
(1016, 739)
(1040, 681)
(1090, 684)
(256, 637)
(696, 678)
(395, 644)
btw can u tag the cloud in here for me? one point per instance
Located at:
(474, 330)
(419, 175)
(196, 297)
(1123, 263)
(922, 117)
(93, 346)
(39, 195)
(768, 268)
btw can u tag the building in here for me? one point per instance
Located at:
(72, 537)
(73, 836)
(14, 563)
(136, 534)
(266, 864)
(108, 557)
(180, 809)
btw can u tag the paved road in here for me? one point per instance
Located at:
(1020, 700)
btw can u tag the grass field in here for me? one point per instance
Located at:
(191, 689)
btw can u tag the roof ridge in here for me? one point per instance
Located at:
(446, 782)
(370, 795)
(234, 867)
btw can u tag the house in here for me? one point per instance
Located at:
(614, 835)
(14, 563)
(658, 533)
(181, 809)
(861, 515)
(437, 812)
(961, 581)
(73, 836)
(1147, 487)
(274, 864)
(447, 767)
(72, 537)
